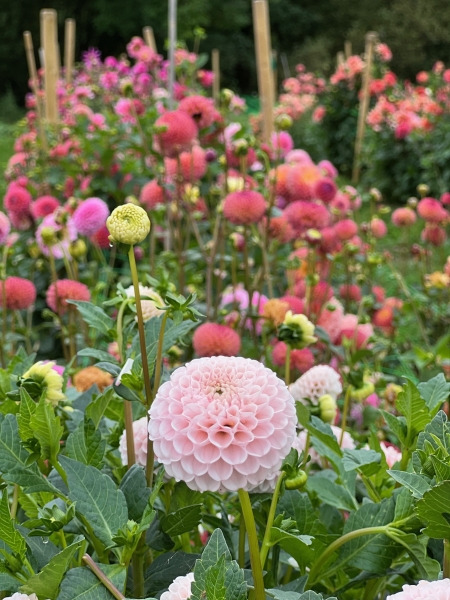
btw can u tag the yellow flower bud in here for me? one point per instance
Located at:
(128, 224)
(328, 408)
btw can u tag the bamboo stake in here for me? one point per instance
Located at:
(275, 73)
(340, 59)
(69, 48)
(261, 29)
(29, 50)
(149, 38)
(347, 48)
(216, 69)
(172, 48)
(371, 38)
(49, 43)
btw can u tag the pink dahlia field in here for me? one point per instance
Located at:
(222, 423)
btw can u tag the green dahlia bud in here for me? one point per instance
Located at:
(48, 236)
(297, 481)
(363, 392)
(283, 122)
(328, 408)
(128, 224)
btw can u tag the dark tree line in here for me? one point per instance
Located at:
(309, 31)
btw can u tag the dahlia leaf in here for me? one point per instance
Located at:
(99, 501)
(439, 428)
(416, 484)
(97, 408)
(182, 520)
(82, 584)
(94, 316)
(396, 424)
(214, 585)
(99, 354)
(41, 551)
(136, 492)
(298, 506)
(366, 461)
(86, 444)
(417, 549)
(8, 532)
(298, 546)
(433, 509)
(26, 411)
(414, 408)
(164, 569)
(435, 392)
(46, 583)
(47, 429)
(331, 493)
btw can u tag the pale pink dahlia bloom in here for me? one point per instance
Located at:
(222, 423)
(140, 442)
(315, 383)
(19, 596)
(424, 590)
(180, 588)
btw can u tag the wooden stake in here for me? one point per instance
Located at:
(263, 48)
(29, 50)
(340, 59)
(172, 48)
(371, 39)
(275, 73)
(347, 49)
(49, 36)
(215, 57)
(69, 48)
(149, 38)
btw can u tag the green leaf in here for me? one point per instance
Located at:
(136, 492)
(165, 568)
(99, 354)
(298, 506)
(372, 553)
(47, 429)
(46, 583)
(86, 444)
(417, 550)
(183, 520)
(396, 424)
(98, 499)
(435, 392)
(215, 580)
(97, 408)
(331, 493)
(441, 468)
(366, 461)
(439, 428)
(41, 550)
(82, 584)
(404, 505)
(416, 484)
(434, 509)
(413, 407)
(26, 411)
(94, 316)
(8, 532)
(298, 546)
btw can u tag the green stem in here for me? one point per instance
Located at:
(159, 353)
(26, 562)
(255, 561)
(62, 538)
(120, 327)
(102, 577)
(273, 507)
(348, 394)
(446, 566)
(129, 433)
(332, 548)
(15, 501)
(138, 574)
(59, 470)
(287, 365)
(241, 557)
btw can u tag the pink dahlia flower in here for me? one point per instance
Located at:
(325, 189)
(43, 206)
(179, 134)
(403, 217)
(66, 289)
(315, 383)
(391, 453)
(19, 596)
(222, 423)
(282, 143)
(424, 590)
(5, 227)
(211, 339)
(20, 293)
(17, 198)
(307, 215)
(193, 164)
(346, 229)
(431, 210)
(65, 234)
(200, 108)
(244, 208)
(140, 433)
(180, 588)
(151, 194)
(90, 216)
(331, 320)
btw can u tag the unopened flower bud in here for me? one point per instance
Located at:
(77, 249)
(297, 481)
(128, 224)
(423, 189)
(48, 236)
(360, 394)
(283, 122)
(226, 96)
(240, 147)
(412, 202)
(376, 194)
(328, 408)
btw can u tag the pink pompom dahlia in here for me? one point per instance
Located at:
(180, 588)
(346, 229)
(211, 339)
(90, 216)
(325, 189)
(66, 289)
(222, 423)
(431, 210)
(307, 215)
(20, 293)
(17, 199)
(424, 590)
(315, 383)
(179, 134)
(5, 227)
(43, 206)
(301, 360)
(140, 433)
(151, 195)
(403, 217)
(244, 208)
(200, 108)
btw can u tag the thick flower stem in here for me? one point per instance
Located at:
(241, 557)
(348, 394)
(128, 417)
(332, 548)
(446, 566)
(138, 574)
(255, 560)
(102, 577)
(273, 507)
(15, 501)
(287, 365)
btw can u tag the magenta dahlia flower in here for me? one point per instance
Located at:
(90, 216)
(140, 434)
(424, 590)
(222, 423)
